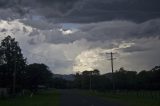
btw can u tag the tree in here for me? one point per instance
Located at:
(1, 55)
(125, 79)
(12, 62)
(78, 80)
(89, 79)
(36, 75)
(95, 72)
(155, 78)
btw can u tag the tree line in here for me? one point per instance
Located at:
(119, 80)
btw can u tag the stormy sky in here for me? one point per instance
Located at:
(74, 35)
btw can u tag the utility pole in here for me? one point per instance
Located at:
(112, 67)
(112, 62)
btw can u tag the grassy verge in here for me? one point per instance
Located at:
(130, 98)
(47, 98)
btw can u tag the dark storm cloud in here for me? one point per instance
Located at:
(104, 31)
(85, 10)
(102, 10)
(22, 8)
(3, 30)
(136, 48)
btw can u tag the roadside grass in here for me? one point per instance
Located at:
(45, 98)
(131, 98)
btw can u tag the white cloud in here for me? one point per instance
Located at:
(67, 32)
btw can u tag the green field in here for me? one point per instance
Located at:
(47, 98)
(130, 98)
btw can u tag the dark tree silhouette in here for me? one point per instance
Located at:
(37, 75)
(123, 79)
(12, 63)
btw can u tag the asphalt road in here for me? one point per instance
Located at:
(74, 98)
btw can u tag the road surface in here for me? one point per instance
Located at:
(73, 98)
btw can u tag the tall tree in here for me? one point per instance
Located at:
(13, 62)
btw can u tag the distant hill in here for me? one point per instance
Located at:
(69, 77)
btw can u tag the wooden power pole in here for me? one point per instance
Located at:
(112, 67)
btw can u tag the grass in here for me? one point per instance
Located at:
(131, 98)
(47, 98)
